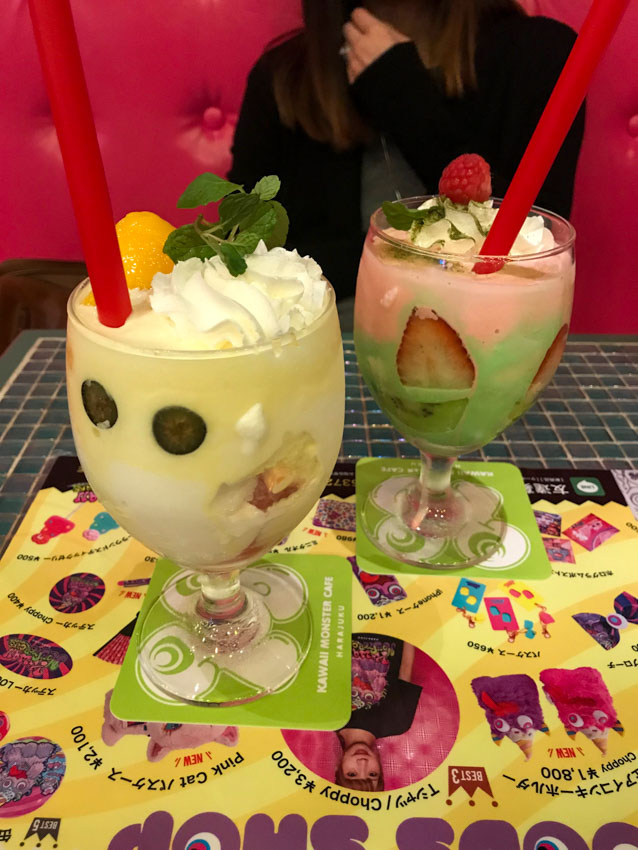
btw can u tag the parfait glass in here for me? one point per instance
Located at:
(210, 458)
(452, 357)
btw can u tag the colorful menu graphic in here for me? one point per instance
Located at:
(487, 713)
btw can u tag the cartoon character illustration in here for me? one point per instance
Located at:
(34, 656)
(336, 514)
(549, 524)
(559, 550)
(165, 737)
(4, 725)
(380, 589)
(76, 593)
(583, 703)
(606, 630)
(512, 709)
(467, 600)
(29, 764)
(53, 527)
(591, 532)
(102, 523)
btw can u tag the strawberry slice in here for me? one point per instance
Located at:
(264, 497)
(431, 354)
(550, 362)
(544, 372)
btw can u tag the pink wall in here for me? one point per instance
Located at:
(605, 210)
(166, 81)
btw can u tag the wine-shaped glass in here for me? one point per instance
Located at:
(452, 357)
(210, 458)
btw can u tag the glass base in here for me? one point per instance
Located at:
(459, 528)
(193, 657)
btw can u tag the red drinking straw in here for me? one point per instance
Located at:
(562, 106)
(64, 77)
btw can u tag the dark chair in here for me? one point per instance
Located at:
(33, 294)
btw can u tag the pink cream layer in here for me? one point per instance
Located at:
(484, 308)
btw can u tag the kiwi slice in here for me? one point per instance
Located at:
(424, 417)
(178, 430)
(99, 405)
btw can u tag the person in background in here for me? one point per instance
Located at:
(384, 702)
(370, 102)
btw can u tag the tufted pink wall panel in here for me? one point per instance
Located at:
(166, 81)
(605, 212)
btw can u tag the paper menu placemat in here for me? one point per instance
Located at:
(113, 791)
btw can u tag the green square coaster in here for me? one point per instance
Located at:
(522, 553)
(317, 698)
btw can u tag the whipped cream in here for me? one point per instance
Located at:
(201, 306)
(251, 428)
(463, 231)
(280, 291)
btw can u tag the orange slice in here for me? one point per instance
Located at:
(141, 237)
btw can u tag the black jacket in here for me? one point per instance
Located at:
(518, 61)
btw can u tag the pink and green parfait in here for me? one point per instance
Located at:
(450, 355)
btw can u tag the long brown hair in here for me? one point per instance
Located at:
(309, 77)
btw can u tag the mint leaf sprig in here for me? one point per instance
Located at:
(402, 218)
(244, 218)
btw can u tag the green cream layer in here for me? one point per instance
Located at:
(452, 422)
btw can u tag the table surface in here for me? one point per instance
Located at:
(587, 417)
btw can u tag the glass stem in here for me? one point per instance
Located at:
(222, 597)
(435, 489)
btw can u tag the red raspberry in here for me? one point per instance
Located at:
(467, 178)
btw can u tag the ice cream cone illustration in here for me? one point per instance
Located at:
(525, 745)
(601, 743)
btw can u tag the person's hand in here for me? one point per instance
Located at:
(367, 38)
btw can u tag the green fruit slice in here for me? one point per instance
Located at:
(426, 417)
